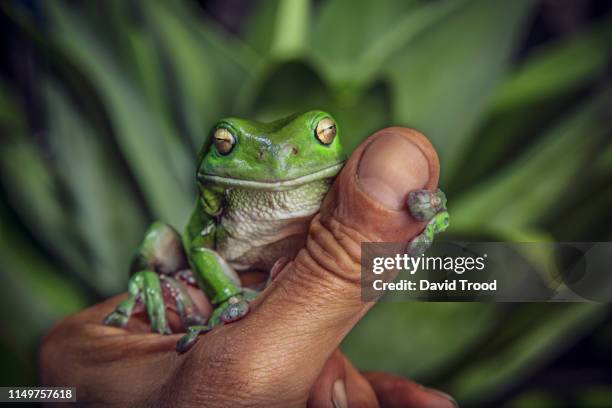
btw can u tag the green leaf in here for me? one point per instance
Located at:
(106, 214)
(18, 367)
(520, 194)
(535, 399)
(208, 69)
(35, 293)
(557, 68)
(291, 28)
(357, 117)
(595, 396)
(259, 27)
(417, 339)
(34, 192)
(497, 366)
(534, 96)
(444, 80)
(352, 58)
(158, 158)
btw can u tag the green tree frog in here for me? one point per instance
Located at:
(259, 185)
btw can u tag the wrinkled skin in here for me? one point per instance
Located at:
(284, 352)
(260, 186)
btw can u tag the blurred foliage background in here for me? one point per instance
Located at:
(103, 106)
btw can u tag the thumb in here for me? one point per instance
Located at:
(301, 318)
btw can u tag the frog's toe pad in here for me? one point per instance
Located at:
(236, 309)
(424, 204)
(191, 337)
(185, 343)
(419, 245)
(116, 319)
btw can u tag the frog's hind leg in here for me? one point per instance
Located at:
(159, 257)
(428, 206)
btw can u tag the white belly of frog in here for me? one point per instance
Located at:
(256, 222)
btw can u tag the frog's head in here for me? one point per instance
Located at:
(277, 155)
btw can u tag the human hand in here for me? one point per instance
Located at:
(284, 352)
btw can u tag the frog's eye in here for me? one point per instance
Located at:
(224, 141)
(326, 131)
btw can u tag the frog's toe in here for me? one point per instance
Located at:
(236, 308)
(191, 337)
(419, 245)
(116, 319)
(425, 204)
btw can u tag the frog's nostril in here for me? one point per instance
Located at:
(260, 155)
(295, 150)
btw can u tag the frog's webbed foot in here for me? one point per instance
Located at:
(234, 308)
(428, 206)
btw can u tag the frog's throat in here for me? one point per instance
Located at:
(274, 185)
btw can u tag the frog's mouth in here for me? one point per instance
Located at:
(327, 172)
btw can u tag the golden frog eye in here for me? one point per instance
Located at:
(224, 141)
(326, 131)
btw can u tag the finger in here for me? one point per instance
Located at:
(109, 363)
(304, 314)
(330, 389)
(359, 391)
(397, 392)
(340, 385)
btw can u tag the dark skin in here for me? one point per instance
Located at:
(284, 353)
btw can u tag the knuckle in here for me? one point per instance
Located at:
(332, 249)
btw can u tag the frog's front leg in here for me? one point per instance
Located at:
(222, 286)
(159, 275)
(144, 286)
(429, 206)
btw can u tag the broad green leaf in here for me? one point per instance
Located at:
(446, 76)
(522, 192)
(344, 29)
(604, 162)
(208, 69)
(595, 396)
(35, 293)
(357, 117)
(11, 117)
(291, 28)
(557, 68)
(259, 27)
(417, 339)
(104, 210)
(18, 366)
(533, 96)
(158, 158)
(535, 399)
(32, 189)
(351, 59)
(497, 366)
(590, 218)
(140, 53)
